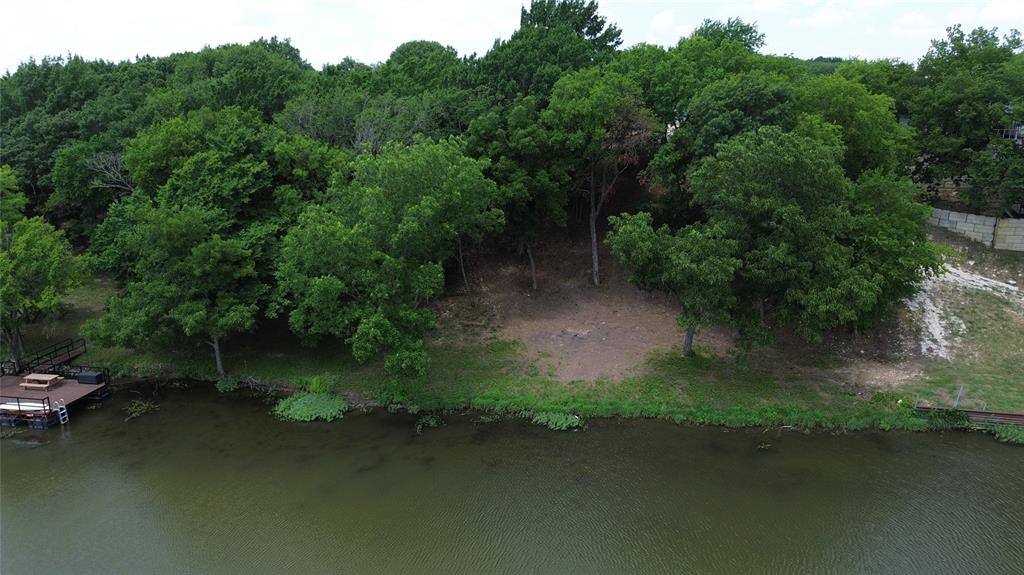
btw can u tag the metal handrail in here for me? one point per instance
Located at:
(47, 355)
(45, 402)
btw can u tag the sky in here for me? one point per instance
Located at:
(328, 31)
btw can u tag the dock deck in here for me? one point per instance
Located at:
(70, 390)
(37, 407)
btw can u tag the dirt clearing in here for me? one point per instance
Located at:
(574, 330)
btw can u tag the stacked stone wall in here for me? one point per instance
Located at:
(1009, 235)
(999, 233)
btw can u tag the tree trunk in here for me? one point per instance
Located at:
(215, 344)
(533, 267)
(16, 347)
(462, 267)
(688, 340)
(594, 270)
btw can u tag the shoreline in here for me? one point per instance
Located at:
(878, 416)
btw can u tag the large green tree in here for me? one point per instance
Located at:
(786, 239)
(58, 102)
(891, 77)
(554, 37)
(195, 245)
(696, 265)
(182, 278)
(526, 164)
(363, 265)
(37, 267)
(963, 93)
(872, 135)
(801, 229)
(997, 176)
(597, 119)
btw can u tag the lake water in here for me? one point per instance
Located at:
(211, 484)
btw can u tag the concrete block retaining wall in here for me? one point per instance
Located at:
(999, 233)
(1009, 235)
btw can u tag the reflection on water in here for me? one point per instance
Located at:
(215, 485)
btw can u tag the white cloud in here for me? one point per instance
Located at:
(768, 5)
(663, 21)
(665, 30)
(872, 4)
(917, 29)
(1010, 12)
(824, 18)
(963, 14)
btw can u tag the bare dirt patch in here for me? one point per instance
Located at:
(574, 330)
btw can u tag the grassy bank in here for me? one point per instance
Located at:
(990, 362)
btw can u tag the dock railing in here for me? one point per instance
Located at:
(10, 404)
(31, 411)
(58, 353)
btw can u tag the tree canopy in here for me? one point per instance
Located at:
(227, 187)
(787, 239)
(37, 267)
(362, 265)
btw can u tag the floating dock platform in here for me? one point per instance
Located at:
(43, 408)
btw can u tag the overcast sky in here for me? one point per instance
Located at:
(327, 31)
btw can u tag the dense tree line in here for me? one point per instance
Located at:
(235, 184)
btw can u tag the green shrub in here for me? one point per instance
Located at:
(390, 394)
(227, 384)
(893, 400)
(1012, 434)
(315, 384)
(948, 419)
(556, 421)
(310, 407)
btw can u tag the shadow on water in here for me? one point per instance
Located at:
(376, 465)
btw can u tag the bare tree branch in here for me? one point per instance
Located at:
(109, 172)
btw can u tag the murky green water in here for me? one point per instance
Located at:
(214, 485)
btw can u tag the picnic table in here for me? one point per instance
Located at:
(40, 381)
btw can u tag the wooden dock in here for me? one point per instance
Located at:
(39, 408)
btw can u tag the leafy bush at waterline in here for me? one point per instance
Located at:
(316, 384)
(948, 419)
(227, 384)
(310, 407)
(556, 421)
(1009, 434)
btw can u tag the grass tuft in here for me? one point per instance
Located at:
(311, 407)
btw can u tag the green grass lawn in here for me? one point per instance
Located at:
(698, 389)
(989, 363)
